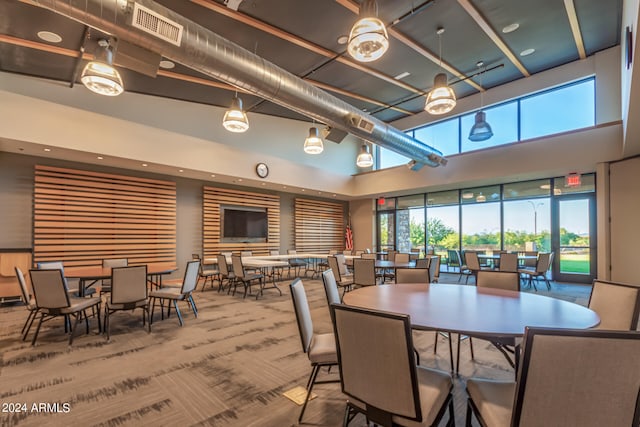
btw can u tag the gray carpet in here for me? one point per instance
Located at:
(228, 367)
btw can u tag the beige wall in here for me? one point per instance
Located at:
(363, 223)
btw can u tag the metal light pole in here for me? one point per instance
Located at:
(535, 216)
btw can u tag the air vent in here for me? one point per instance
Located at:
(153, 23)
(362, 123)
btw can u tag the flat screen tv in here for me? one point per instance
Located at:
(240, 224)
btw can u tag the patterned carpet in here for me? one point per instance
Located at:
(228, 367)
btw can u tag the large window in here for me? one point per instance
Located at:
(550, 112)
(443, 221)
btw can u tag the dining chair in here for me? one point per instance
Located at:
(401, 257)
(434, 268)
(364, 272)
(52, 300)
(343, 282)
(72, 286)
(225, 272)
(508, 262)
(173, 295)
(423, 262)
(545, 259)
(586, 378)
(331, 290)
(128, 292)
(207, 272)
(29, 303)
(617, 304)
(245, 277)
(342, 265)
(453, 259)
(472, 262)
(379, 374)
(412, 275)
(296, 263)
(319, 348)
(105, 286)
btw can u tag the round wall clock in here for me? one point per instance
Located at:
(262, 170)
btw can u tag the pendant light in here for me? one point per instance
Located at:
(313, 143)
(364, 159)
(235, 119)
(99, 75)
(481, 198)
(441, 99)
(481, 130)
(368, 39)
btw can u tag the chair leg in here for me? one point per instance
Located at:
(435, 343)
(312, 380)
(28, 323)
(107, 323)
(35, 335)
(469, 414)
(345, 419)
(471, 348)
(457, 351)
(452, 418)
(75, 325)
(175, 305)
(193, 305)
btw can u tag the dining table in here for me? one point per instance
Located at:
(89, 275)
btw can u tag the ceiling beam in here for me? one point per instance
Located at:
(407, 41)
(495, 38)
(575, 27)
(298, 41)
(4, 38)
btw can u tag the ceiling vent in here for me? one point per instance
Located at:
(153, 23)
(362, 123)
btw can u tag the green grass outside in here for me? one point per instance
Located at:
(572, 263)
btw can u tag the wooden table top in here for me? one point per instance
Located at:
(381, 263)
(472, 310)
(98, 272)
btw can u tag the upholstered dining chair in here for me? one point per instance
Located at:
(105, 287)
(364, 272)
(412, 275)
(225, 273)
(296, 264)
(128, 292)
(423, 262)
(29, 303)
(245, 277)
(434, 268)
(508, 261)
(173, 295)
(343, 282)
(342, 265)
(379, 374)
(319, 348)
(72, 286)
(545, 259)
(331, 290)
(617, 304)
(52, 300)
(586, 378)
(207, 272)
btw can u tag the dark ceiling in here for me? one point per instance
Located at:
(301, 36)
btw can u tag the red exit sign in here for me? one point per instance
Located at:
(572, 180)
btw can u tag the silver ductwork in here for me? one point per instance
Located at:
(202, 50)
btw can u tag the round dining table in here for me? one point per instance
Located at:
(470, 310)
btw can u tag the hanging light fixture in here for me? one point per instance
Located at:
(441, 99)
(364, 159)
(99, 75)
(368, 39)
(481, 198)
(481, 130)
(313, 143)
(235, 119)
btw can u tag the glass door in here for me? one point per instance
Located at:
(574, 239)
(386, 231)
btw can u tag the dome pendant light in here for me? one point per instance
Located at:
(481, 130)
(441, 99)
(313, 143)
(364, 159)
(99, 75)
(368, 39)
(235, 119)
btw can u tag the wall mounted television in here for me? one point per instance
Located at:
(244, 224)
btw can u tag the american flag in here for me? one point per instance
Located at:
(348, 238)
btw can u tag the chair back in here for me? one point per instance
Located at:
(584, 378)
(222, 265)
(531, 262)
(401, 257)
(342, 264)
(364, 272)
(334, 267)
(423, 262)
(303, 313)
(434, 268)
(472, 260)
(128, 284)
(116, 262)
(331, 290)
(377, 369)
(347, 252)
(53, 265)
(508, 261)
(26, 295)
(412, 275)
(195, 256)
(292, 251)
(274, 252)
(507, 280)
(454, 258)
(49, 289)
(617, 304)
(190, 280)
(391, 254)
(246, 253)
(238, 268)
(544, 262)
(368, 256)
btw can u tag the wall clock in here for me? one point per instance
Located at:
(262, 170)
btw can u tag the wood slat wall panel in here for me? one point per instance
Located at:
(83, 217)
(318, 226)
(213, 198)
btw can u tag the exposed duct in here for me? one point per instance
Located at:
(202, 50)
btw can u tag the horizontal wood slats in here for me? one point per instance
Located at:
(318, 226)
(83, 217)
(213, 198)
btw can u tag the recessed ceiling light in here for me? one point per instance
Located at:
(284, 186)
(47, 149)
(239, 179)
(213, 176)
(145, 165)
(303, 190)
(100, 157)
(264, 183)
(334, 195)
(166, 64)
(510, 28)
(527, 52)
(50, 37)
(402, 75)
(343, 39)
